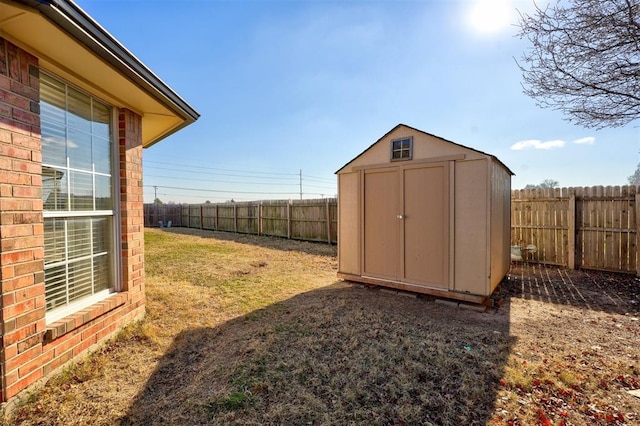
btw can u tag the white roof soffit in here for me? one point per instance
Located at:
(97, 59)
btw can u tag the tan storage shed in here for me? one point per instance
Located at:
(420, 213)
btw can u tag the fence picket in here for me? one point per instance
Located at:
(614, 223)
(625, 226)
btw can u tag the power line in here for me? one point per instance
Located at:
(217, 174)
(170, 197)
(219, 190)
(225, 170)
(321, 187)
(203, 197)
(222, 181)
(319, 178)
(252, 173)
(155, 187)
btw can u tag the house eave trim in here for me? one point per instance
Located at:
(72, 19)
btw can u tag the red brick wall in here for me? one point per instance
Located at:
(21, 225)
(30, 349)
(131, 201)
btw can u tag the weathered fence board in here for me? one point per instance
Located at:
(311, 220)
(590, 228)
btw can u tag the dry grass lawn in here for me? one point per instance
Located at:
(255, 330)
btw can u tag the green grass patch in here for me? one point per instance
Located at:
(232, 402)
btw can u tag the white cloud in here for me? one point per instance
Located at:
(537, 144)
(589, 140)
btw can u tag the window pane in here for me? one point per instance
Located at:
(104, 200)
(54, 242)
(101, 120)
(101, 272)
(55, 280)
(54, 189)
(79, 111)
(52, 98)
(54, 114)
(81, 191)
(101, 235)
(102, 155)
(79, 150)
(79, 237)
(80, 279)
(54, 145)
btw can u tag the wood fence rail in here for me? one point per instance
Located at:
(310, 220)
(580, 227)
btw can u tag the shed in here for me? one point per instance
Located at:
(420, 213)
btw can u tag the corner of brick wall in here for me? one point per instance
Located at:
(131, 204)
(25, 355)
(21, 222)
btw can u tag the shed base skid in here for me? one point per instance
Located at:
(465, 297)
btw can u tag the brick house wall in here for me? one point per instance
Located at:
(30, 349)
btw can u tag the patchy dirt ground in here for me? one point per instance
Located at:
(253, 330)
(577, 351)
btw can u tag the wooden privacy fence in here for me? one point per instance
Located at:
(310, 220)
(589, 228)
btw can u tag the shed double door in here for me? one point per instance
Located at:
(406, 224)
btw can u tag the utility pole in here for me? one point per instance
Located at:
(155, 194)
(301, 184)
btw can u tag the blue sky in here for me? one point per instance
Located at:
(284, 86)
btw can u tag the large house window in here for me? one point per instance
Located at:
(77, 193)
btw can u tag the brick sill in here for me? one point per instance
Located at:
(82, 317)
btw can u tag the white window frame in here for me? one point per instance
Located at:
(116, 263)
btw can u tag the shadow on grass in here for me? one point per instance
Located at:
(337, 355)
(595, 290)
(277, 243)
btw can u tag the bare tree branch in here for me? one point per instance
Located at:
(584, 60)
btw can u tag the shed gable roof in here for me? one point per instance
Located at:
(68, 41)
(427, 134)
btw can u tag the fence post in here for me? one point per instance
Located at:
(571, 233)
(201, 218)
(235, 217)
(260, 218)
(289, 219)
(215, 222)
(636, 218)
(328, 221)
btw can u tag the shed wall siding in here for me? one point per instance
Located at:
(471, 242)
(31, 349)
(349, 223)
(500, 223)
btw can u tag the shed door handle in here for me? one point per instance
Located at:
(400, 216)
